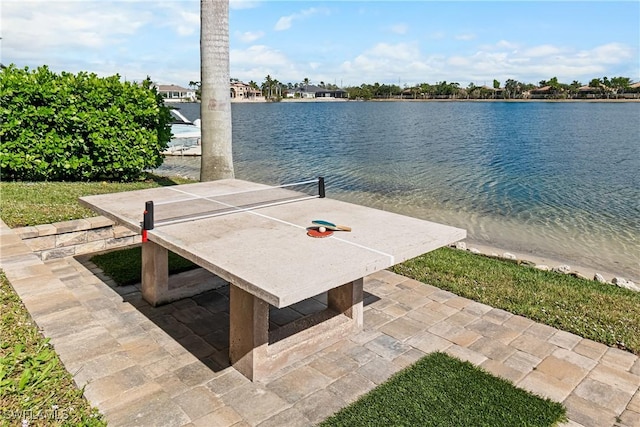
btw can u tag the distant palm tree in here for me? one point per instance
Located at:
(278, 87)
(254, 85)
(268, 86)
(216, 161)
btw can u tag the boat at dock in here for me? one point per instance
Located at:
(186, 136)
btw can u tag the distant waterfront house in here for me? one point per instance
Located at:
(603, 91)
(589, 92)
(633, 92)
(498, 92)
(243, 92)
(175, 93)
(311, 91)
(544, 92)
(492, 92)
(412, 93)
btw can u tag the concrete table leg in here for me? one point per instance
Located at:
(347, 299)
(155, 273)
(158, 288)
(250, 351)
(248, 332)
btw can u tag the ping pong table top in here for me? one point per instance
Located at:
(266, 251)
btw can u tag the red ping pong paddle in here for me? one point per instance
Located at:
(315, 232)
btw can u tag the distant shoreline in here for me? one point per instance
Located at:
(329, 100)
(509, 100)
(312, 100)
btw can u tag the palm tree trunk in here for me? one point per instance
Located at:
(215, 108)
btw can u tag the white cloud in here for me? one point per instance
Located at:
(258, 55)
(183, 19)
(542, 51)
(249, 36)
(612, 53)
(459, 61)
(399, 51)
(502, 60)
(504, 44)
(285, 22)
(243, 4)
(399, 28)
(385, 61)
(131, 38)
(532, 64)
(465, 36)
(439, 35)
(37, 26)
(258, 61)
(187, 23)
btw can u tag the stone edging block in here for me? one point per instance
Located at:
(76, 237)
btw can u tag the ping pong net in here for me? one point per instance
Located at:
(193, 207)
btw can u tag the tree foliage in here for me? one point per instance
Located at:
(78, 127)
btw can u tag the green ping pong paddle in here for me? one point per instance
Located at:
(330, 226)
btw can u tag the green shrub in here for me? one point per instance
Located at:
(78, 127)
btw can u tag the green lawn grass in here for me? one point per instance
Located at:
(125, 266)
(598, 311)
(34, 203)
(34, 385)
(440, 390)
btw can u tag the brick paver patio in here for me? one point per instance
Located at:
(168, 366)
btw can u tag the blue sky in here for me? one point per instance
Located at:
(342, 42)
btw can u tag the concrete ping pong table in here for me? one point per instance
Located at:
(268, 259)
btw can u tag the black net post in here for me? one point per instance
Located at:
(147, 220)
(147, 223)
(321, 187)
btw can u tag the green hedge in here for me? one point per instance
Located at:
(78, 127)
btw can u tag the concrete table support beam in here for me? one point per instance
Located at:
(257, 353)
(248, 331)
(157, 287)
(155, 273)
(347, 299)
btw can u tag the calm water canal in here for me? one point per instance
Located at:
(560, 180)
